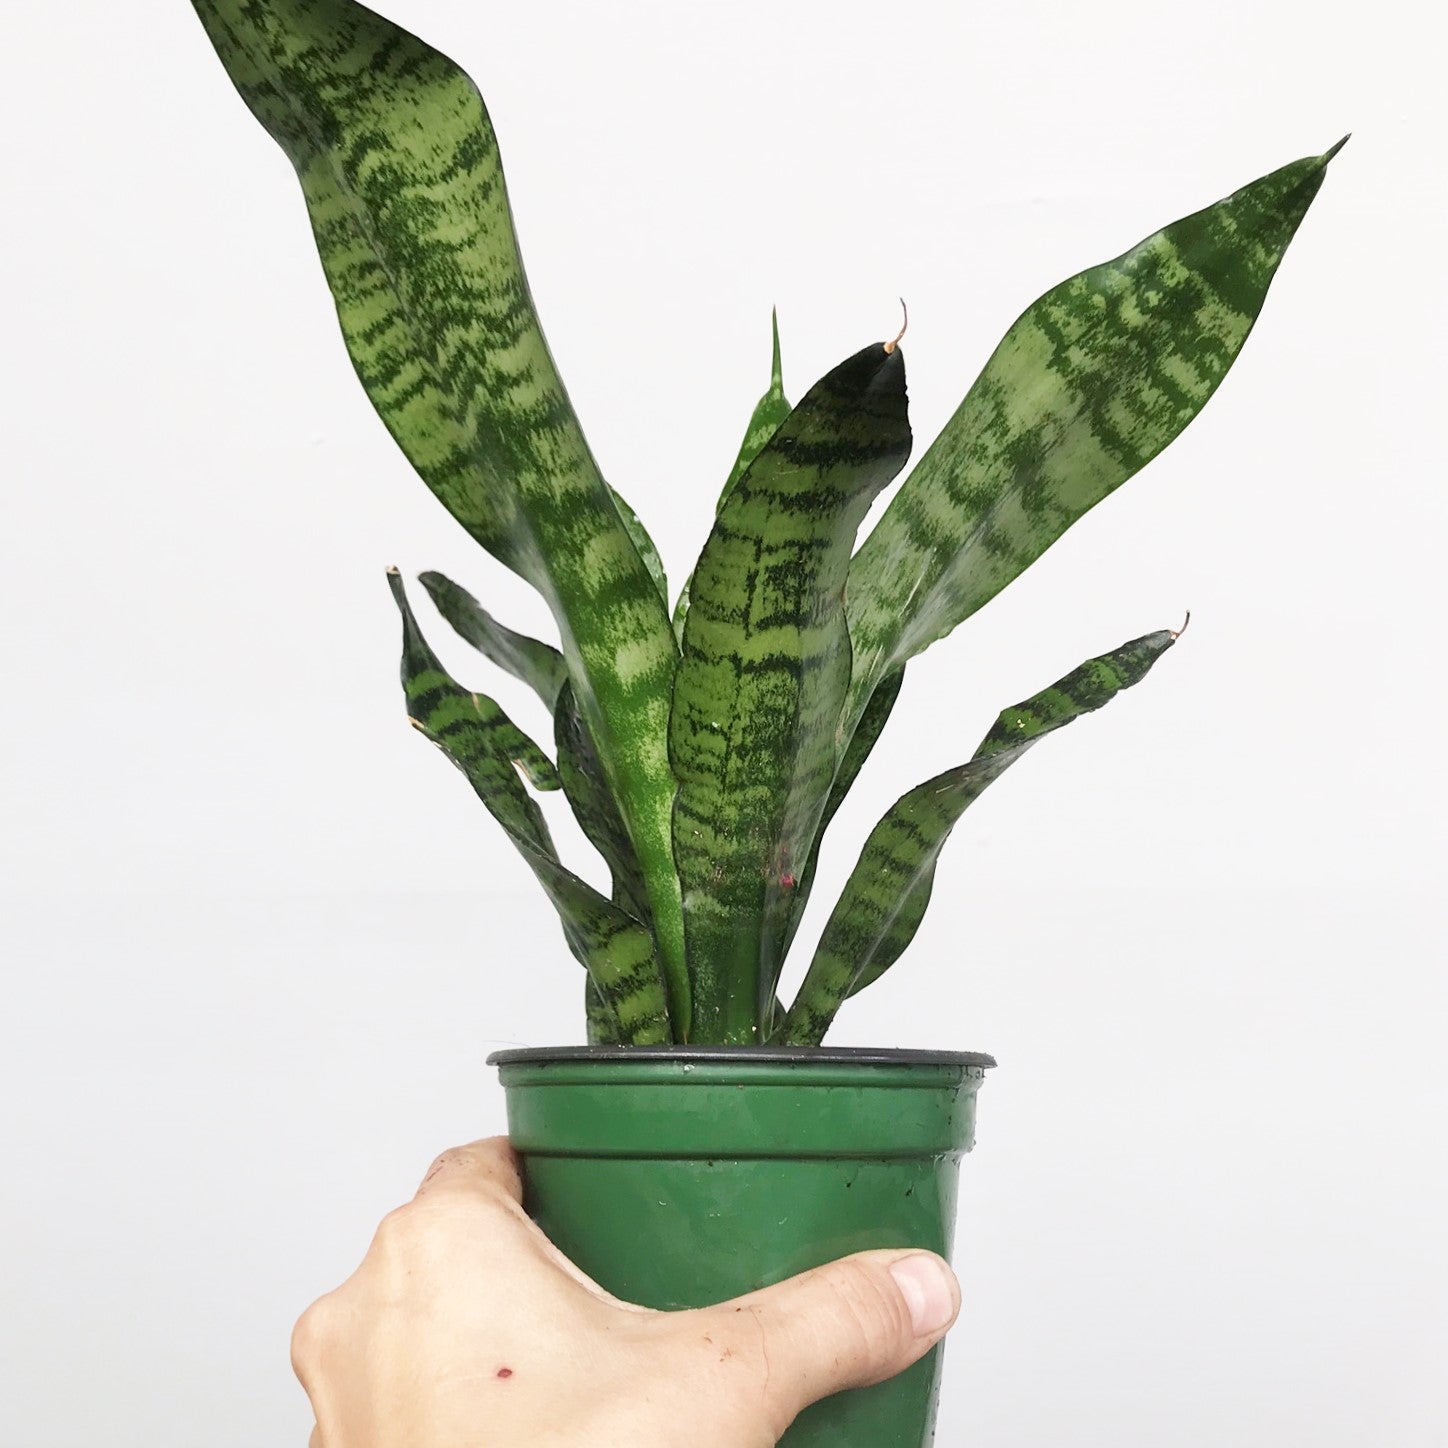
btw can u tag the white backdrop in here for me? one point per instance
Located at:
(258, 937)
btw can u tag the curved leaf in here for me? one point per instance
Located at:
(537, 664)
(885, 898)
(593, 806)
(400, 169)
(475, 734)
(765, 666)
(769, 412)
(1091, 382)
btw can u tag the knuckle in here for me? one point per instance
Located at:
(396, 1231)
(312, 1330)
(443, 1159)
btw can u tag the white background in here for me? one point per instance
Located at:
(258, 937)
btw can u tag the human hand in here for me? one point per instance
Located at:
(465, 1326)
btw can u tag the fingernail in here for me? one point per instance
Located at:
(925, 1285)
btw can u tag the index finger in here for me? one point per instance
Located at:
(480, 1168)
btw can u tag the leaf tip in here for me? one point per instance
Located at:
(1176, 633)
(904, 327)
(1333, 150)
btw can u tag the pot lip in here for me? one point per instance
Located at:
(723, 1055)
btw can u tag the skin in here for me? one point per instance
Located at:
(465, 1327)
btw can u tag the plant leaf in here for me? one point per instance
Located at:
(766, 419)
(475, 734)
(769, 412)
(885, 898)
(1091, 382)
(601, 1022)
(399, 165)
(862, 743)
(765, 666)
(537, 664)
(593, 806)
(639, 535)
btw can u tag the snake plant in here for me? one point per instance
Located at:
(705, 746)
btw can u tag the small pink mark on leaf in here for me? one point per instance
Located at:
(505, 1372)
(787, 880)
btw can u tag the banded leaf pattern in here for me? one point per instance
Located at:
(857, 751)
(886, 896)
(647, 549)
(399, 165)
(593, 806)
(599, 1020)
(769, 412)
(1090, 383)
(475, 734)
(765, 667)
(766, 419)
(536, 664)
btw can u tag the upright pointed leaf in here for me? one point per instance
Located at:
(768, 415)
(1091, 382)
(400, 169)
(886, 895)
(537, 664)
(475, 734)
(769, 412)
(763, 675)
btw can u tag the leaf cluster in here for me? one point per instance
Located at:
(705, 742)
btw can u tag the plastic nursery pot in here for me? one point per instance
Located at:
(681, 1176)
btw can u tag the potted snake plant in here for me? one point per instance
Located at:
(705, 1142)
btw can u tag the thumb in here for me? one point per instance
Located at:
(847, 1324)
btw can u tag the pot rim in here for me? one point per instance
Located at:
(767, 1055)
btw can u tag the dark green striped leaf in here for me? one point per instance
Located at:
(857, 751)
(765, 667)
(475, 734)
(885, 898)
(399, 165)
(769, 412)
(1091, 382)
(593, 806)
(538, 665)
(601, 1022)
(634, 527)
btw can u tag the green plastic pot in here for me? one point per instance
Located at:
(683, 1176)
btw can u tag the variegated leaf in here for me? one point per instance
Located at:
(1091, 382)
(647, 550)
(769, 412)
(593, 806)
(859, 749)
(400, 169)
(537, 664)
(475, 734)
(765, 667)
(886, 895)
